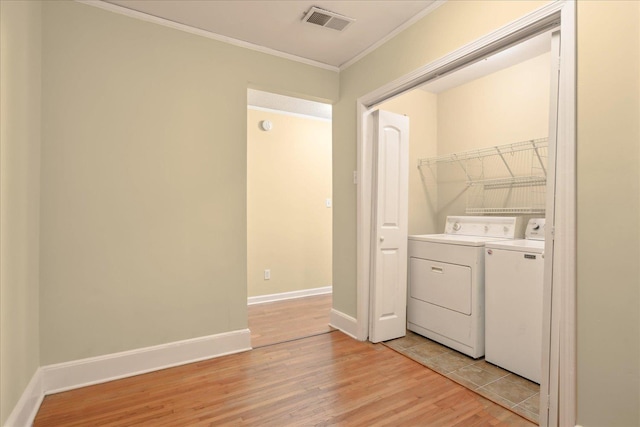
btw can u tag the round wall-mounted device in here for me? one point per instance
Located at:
(266, 125)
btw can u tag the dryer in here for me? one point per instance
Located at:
(446, 280)
(514, 278)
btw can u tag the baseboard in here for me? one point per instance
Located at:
(289, 295)
(27, 407)
(95, 370)
(344, 323)
(80, 373)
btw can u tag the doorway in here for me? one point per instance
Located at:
(559, 341)
(289, 217)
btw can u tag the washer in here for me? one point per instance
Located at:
(514, 277)
(446, 280)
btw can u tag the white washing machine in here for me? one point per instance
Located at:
(514, 277)
(446, 280)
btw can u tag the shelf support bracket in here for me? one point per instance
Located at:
(535, 150)
(506, 165)
(462, 166)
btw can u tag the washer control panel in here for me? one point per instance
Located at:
(535, 229)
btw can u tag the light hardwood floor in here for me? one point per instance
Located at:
(280, 321)
(327, 379)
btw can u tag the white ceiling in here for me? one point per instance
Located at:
(278, 25)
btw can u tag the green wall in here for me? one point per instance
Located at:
(20, 49)
(144, 216)
(608, 215)
(128, 229)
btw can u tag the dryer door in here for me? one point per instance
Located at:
(442, 284)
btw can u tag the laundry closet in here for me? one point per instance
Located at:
(479, 158)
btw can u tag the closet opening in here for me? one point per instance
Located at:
(478, 151)
(486, 155)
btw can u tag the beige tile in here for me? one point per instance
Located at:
(532, 404)
(408, 341)
(477, 375)
(494, 397)
(462, 381)
(523, 382)
(531, 416)
(452, 361)
(511, 391)
(431, 364)
(396, 344)
(490, 367)
(427, 350)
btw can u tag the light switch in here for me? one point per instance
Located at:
(328, 203)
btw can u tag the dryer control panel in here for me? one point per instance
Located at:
(484, 226)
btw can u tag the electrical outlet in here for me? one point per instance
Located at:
(267, 274)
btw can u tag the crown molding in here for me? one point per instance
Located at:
(208, 34)
(433, 6)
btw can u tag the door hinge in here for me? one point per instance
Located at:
(355, 177)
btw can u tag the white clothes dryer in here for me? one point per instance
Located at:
(446, 280)
(514, 277)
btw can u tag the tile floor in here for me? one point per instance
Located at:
(502, 387)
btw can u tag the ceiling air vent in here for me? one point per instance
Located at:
(327, 19)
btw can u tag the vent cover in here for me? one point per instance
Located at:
(327, 19)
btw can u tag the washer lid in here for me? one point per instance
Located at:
(450, 239)
(520, 245)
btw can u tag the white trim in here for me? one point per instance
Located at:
(549, 351)
(96, 370)
(527, 26)
(343, 322)
(27, 407)
(260, 299)
(363, 209)
(287, 113)
(208, 34)
(433, 6)
(566, 214)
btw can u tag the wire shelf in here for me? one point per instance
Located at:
(516, 181)
(497, 150)
(503, 179)
(505, 211)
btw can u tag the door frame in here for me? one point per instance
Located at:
(560, 378)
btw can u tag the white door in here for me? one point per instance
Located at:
(389, 226)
